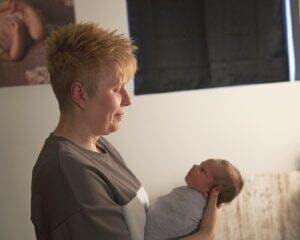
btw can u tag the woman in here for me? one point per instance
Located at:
(81, 187)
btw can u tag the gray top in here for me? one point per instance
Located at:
(80, 194)
(174, 215)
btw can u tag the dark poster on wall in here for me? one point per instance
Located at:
(24, 27)
(194, 44)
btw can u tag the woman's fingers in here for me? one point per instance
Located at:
(213, 196)
(211, 214)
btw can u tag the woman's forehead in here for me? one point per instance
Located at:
(115, 73)
(109, 76)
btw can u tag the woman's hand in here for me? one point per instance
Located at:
(208, 225)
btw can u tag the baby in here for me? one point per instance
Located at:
(19, 24)
(178, 213)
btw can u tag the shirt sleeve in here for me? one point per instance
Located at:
(99, 217)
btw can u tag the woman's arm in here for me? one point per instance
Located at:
(208, 225)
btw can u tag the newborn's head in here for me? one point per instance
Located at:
(214, 172)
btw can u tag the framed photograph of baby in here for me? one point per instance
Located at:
(24, 27)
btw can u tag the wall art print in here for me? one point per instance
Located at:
(24, 27)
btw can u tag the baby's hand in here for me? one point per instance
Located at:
(18, 6)
(22, 8)
(15, 26)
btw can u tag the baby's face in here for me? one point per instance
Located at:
(201, 177)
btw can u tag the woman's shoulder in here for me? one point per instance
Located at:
(60, 157)
(111, 150)
(57, 152)
(104, 142)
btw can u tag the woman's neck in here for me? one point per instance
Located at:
(77, 132)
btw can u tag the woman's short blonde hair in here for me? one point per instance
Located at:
(77, 51)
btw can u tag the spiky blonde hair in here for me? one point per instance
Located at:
(77, 51)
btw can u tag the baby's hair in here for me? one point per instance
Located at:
(230, 181)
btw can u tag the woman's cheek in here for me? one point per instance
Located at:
(116, 100)
(112, 103)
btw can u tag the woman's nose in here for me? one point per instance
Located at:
(125, 98)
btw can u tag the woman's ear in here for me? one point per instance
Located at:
(79, 94)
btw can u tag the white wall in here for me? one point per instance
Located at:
(256, 127)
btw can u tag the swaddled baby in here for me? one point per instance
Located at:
(178, 213)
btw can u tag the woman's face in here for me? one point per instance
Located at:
(106, 108)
